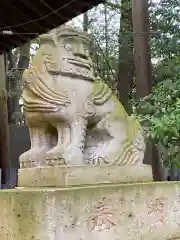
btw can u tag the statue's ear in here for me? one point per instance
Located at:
(49, 37)
(50, 52)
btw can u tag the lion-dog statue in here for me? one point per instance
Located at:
(73, 117)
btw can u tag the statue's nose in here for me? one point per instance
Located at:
(80, 52)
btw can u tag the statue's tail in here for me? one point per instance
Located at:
(135, 146)
(132, 151)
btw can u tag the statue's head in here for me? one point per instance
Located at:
(67, 52)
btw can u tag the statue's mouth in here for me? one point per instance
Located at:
(79, 63)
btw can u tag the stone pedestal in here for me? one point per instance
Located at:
(63, 176)
(87, 204)
(118, 211)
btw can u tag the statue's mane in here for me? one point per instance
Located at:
(44, 65)
(47, 55)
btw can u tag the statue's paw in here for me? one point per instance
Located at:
(32, 158)
(74, 155)
(97, 161)
(28, 159)
(24, 159)
(54, 157)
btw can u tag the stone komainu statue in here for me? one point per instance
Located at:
(74, 118)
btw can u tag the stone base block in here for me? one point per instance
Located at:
(65, 175)
(149, 211)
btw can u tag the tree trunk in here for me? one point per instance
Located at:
(106, 67)
(11, 65)
(141, 48)
(144, 72)
(23, 63)
(11, 60)
(4, 129)
(24, 56)
(126, 64)
(85, 22)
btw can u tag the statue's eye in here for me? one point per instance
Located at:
(68, 47)
(86, 51)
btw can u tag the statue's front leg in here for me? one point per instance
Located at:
(74, 153)
(40, 144)
(55, 156)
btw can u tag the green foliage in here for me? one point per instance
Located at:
(159, 112)
(165, 26)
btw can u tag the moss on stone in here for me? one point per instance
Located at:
(131, 125)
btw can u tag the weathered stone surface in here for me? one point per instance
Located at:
(83, 141)
(74, 118)
(116, 212)
(62, 176)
